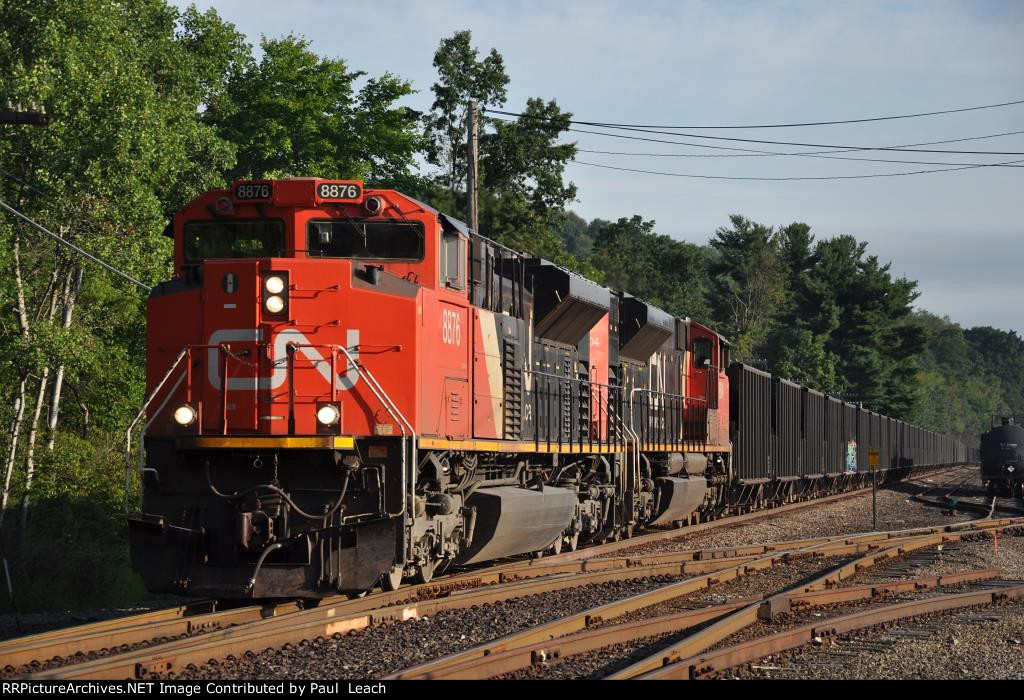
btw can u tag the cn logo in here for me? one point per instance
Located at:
(347, 379)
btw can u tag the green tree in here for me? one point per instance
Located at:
(747, 284)
(575, 234)
(632, 257)
(296, 113)
(1001, 354)
(958, 391)
(522, 168)
(857, 312)
(124, 83)
(461, 77)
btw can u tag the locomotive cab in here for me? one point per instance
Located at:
(284, 368)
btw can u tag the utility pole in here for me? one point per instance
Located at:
(472, 162)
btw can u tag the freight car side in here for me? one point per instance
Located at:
(791, 442)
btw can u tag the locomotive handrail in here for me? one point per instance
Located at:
(135, 421)
(680, 397)
(389, 405)
(579, 381)
(403, 423)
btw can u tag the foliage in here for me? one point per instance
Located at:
(747, 283)
(296, 113)
(666, 272)
(461, 77)
(124, 83)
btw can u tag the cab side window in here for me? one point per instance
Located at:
(701, 353)
(453, 261)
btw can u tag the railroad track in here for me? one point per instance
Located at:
(167, 640)
(520, 650)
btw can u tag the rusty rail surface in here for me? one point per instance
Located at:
(514, 659)
(347, 615)
(779, 553)
(104, 636)
(723, 659)
(729, 625)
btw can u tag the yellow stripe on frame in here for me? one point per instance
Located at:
(230, 442)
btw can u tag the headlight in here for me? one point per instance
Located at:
(274, 285)
(328, 414)
(274, 304)
(184, 415)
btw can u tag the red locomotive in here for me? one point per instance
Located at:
(347, 387)
(360, 388)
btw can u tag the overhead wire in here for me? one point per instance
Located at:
(747, 140)
(860, 120)
(794, 177)
(68, 244)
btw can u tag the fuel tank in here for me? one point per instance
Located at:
(512, 520)
(678, 498)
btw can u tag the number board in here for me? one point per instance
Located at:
(255, 191)
(339, 191)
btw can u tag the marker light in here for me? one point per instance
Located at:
(328, 414)
(274, 285)
(184, 415)
(274, 304)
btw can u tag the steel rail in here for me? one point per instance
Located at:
(723, 659)
(589, 640)
(348, 615)
(29, 650)
(87, 638)
(763, 557)
(99, 636)
(196, 608)
(721, 630)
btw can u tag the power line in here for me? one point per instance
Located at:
(72, 246)
(861, 120)
(740, 152)
(788, 178)
(758, 153)
(807, 155)
(760, 141)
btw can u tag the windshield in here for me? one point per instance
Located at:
(206, 240)
(373, 240)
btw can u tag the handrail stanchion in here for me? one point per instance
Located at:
(186, 352)
(409, 461)
(225, 350)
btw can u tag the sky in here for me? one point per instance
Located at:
(958, 233)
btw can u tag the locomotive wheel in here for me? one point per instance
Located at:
(573, 541)
(425, 572)
(629, 531)
(392, 579)
(556, 546)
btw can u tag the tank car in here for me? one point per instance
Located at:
(1002, 457)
